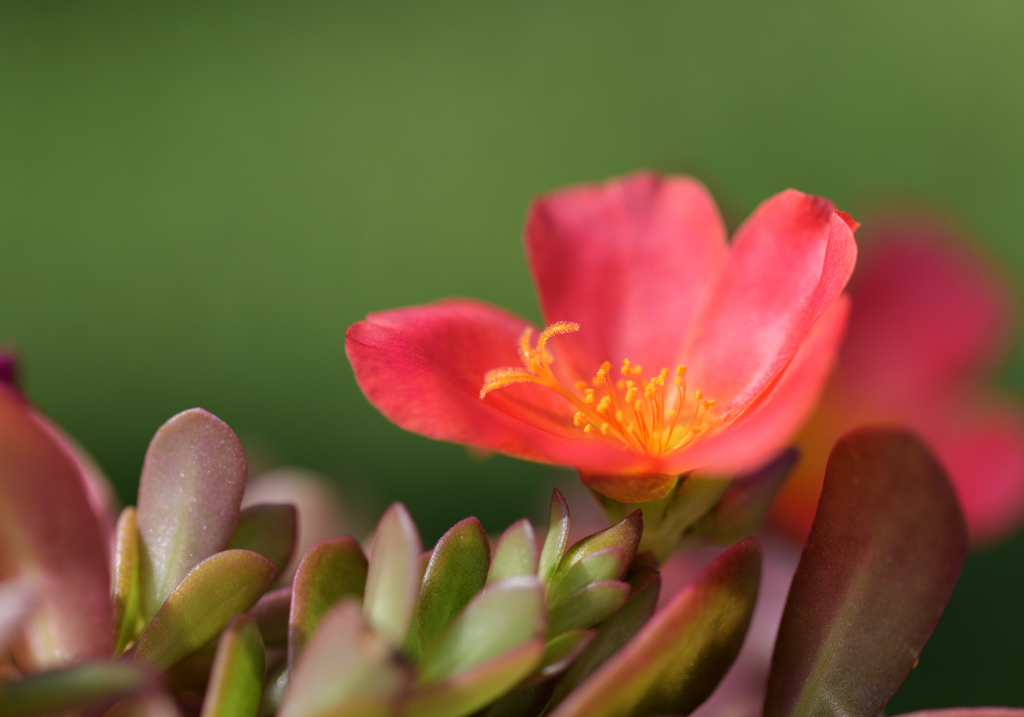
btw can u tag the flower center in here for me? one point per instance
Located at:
(632, 411)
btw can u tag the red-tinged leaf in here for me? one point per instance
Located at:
(883, 555)
(616, 631)
(197, 610)
(558, 537)
(330, 571)
(969, 712)
(147, 704)
(515, 553)
(468, 690)
(345, 669)
(18, 598)
(625, 534)
(271, 615)
(456, 572)
(189, 498)
(742, 507)
(239, 669)
(561, 651)
(268, 529)
(606, 564)
(393, 576)
(49, 536)
(126, 579)
(526, 701)
(678, 658)
(75, 688)
(586, 607)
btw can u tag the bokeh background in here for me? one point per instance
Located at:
(197, 199)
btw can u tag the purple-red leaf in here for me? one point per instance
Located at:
(269, 529)
(883, 555)
(677, 659)
(50, 537)
(189, 498)
(271, 615)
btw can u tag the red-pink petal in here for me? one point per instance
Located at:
(788, 263)
(928, 313)
(423, 367)
(776, 416)
(629, 261)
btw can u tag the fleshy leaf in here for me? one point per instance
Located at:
(330, 571)
(505, 616)
(345, 670)
(883, 555)
(742, 507)
(968, 712)
(608, 563)
(588, 606)
(189, 497)
(690, 499)
(271, 613)
(616, 631)
(558, 537)
(126, 579)
(239, 669)
(49, 536)
(268, 529)
(677, 659)
(561, 651)
(515, 553)
(74, 688)
(469, 690)
(456, 572)
(393, 577)
(526, 701)
(197, 610)
(625, 534)
(18, 598)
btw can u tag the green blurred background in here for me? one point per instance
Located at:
(197, 199)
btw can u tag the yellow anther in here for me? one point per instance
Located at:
(708, 404)
(650, 389)
(680, 371)
(606, 366)
(698, 394)
(664, 375)
(630, 393)
(601, 373)
(588, 395)
(604, 404)
(630, 384)
(677, 381)
(625, 367)
(636, 370)
(588, 428)
(580, 385)
(579, 419)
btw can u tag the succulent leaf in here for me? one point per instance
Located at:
(239, 669)
(73, 688)
(393, 576)
(666, 520)
(968, 712)
(18, 598)
(456, 572)
(126, 579)
(677, 659)
(345, 669)
(588, 606)
(49, 536)
(624, 534)
(329, 572)
(271, 613)
(189, 497)
(562, 650)
(608, 563)
(268, 529)
(557, 539)
(881, 560)
(515, 553)
(197, 610)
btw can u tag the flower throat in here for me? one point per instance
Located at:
(631, 412)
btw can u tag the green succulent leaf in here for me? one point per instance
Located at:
(239, 669)
(329, 572)
(126, 579)
(50, 538)
(691, 499)
(345, 670)
(271, 613)
(745, 502)
(558, 537)
(74, 688)
(624, 534)
(881, 560)
(468, 690)
(393, 576)
(269, 529)
(608, 563)
(677, 659)
(456, 572)
(561, 651)
(588, 606)
(197, 610)
(506, 615)
(616, 631)
(189, 498)
(515, 553)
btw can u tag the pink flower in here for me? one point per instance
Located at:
(666, 349)
(928, 319)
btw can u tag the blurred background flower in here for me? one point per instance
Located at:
(195, 201)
